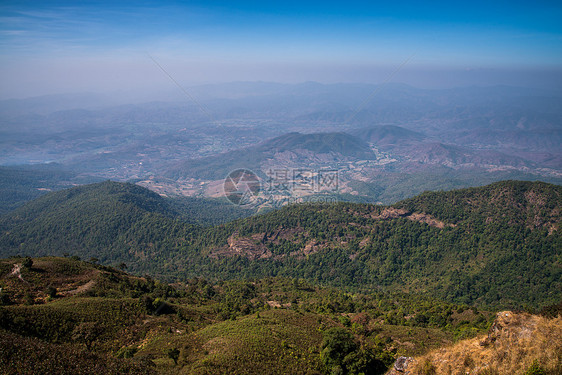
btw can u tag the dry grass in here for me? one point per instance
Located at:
(514, 342)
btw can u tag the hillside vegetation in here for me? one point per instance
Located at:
(90, 221)
(495, 246)
(65, 316)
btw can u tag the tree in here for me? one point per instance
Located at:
(4, 298)
(86, 333)
(122, 266)
(27, 262)
(174, 354)
(342, 354)
(336, 345)
(28, 299)
(52, 292)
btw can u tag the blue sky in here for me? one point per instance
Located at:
(57, 46)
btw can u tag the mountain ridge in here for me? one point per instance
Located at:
(494, 245)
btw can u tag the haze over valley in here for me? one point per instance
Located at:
(401, 142)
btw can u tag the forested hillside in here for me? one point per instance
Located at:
(90, 221)
(498, 245)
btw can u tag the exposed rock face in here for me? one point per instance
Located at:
(255, 246)
(249, 247)
(508, 324)
(394, 213)
(312, 247)
(391, 213)
(429, 220)
(401, 366)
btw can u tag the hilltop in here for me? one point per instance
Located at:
(320, 143)
(22, 184)
(495, 244)
(388, 135)
(96, 220)
(533, 205)
(336, 146)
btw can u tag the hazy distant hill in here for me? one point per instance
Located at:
(338, 145)
(547, 140)
(321, 143)
(436, 153)
(387, 135)
(19, 184)
(401, 164)
(46, 104)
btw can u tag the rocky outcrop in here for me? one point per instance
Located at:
(250, 247)
(514, 342)
(394, 213)
(401, 365)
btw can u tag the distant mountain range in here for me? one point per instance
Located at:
(392, 141)
(376, 155)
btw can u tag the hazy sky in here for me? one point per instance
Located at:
(72, 46)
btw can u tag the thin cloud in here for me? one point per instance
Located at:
(89, 46)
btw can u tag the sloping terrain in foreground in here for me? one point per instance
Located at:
(65, 316)
(517, 343)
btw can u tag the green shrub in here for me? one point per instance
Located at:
(535, 369)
